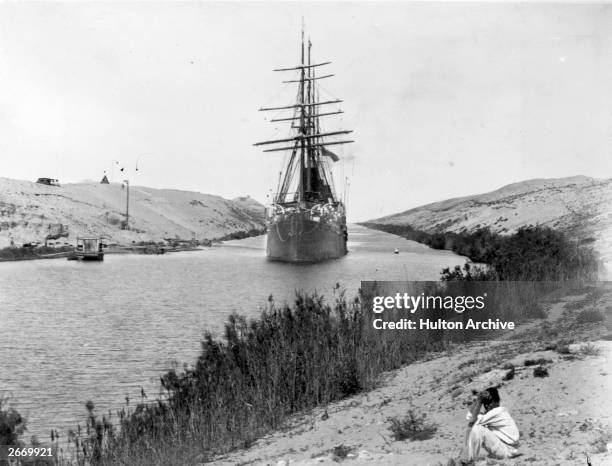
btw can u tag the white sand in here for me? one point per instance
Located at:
(28, 209)
(580, 205)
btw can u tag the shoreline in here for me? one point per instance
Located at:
(146, 249)
(127, 250)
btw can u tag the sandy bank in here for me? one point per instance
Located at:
(578, 206)
(560, 416)
(32, 212)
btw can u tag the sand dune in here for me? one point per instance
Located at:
(31, 211)
(579, 205)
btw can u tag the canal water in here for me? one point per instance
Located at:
(75, 331)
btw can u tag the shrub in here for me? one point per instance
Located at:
(340, 452)
(467, 273)
(540, 371)
(562, 349)
(532, 253)
(590, 350)
(590, 316)
(412, 427)
(12, 253)
(561, 346)
(12, 425)
(511, 371)
(537, 362)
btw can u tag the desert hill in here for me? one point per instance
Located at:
(31, 212)
(579, 205)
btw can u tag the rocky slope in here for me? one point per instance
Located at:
(31, 212)
(579, 205)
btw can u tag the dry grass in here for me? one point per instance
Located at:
(590, 316)
(590, 349)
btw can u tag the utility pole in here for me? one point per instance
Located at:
(127, 205)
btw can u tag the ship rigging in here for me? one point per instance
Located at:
(308, 223)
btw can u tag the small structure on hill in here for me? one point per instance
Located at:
(57, 230)
(57, 236)
(104, 180)
(48, 181)
(56, 243)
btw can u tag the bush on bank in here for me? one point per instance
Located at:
(532, 253)
(291, 359)
(12, 253)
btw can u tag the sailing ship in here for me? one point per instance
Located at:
(306, 221)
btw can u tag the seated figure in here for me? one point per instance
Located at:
(493, 433)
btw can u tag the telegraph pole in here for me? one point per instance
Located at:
(127, 205)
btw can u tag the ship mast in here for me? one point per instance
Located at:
(302, 197)
(309, 143)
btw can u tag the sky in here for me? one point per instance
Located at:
(445, 99)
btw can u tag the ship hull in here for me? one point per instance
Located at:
(298, 238)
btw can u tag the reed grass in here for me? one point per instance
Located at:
(294, 357)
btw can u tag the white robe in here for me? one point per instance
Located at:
(495, 432)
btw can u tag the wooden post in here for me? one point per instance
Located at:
(127, 205)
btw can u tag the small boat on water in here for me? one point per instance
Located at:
(88, 249)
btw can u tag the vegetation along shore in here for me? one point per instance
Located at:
(141, 247)
(299, 358)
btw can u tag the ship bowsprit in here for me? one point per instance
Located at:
(299, 238)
